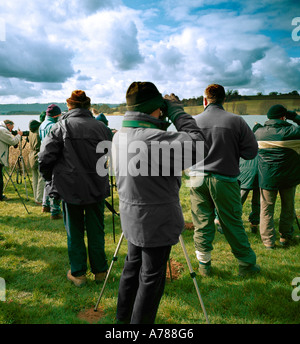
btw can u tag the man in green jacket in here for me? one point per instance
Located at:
(279, 171)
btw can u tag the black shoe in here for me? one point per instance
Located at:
(3, 198)
(254, 228)
(249, 270)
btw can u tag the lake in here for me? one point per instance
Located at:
(114, 122)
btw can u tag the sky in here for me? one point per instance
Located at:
(50, 48)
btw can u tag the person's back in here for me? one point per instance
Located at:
(217, 190)
(74, 175)
(279, 172)
(229, 138)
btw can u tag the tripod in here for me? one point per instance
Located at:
(20, 162)
(10, 179)
(192, 274)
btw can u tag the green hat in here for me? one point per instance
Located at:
(276, 111)
(143, 97)
(42, 116)
(34, 125)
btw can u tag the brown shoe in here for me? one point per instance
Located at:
(56, 217)
(46, 209)
(78, 281)
(100, 277)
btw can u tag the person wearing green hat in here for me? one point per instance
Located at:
(279, 172)
(150, 210)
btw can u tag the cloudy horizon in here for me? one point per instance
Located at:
(49, 49)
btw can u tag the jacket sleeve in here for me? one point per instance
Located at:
(9, 139)
(248, 143)
(186, 123)
(50, 152)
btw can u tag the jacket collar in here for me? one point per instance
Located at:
(213, 105)
(277, 123)
(77, 113)
(135, 119)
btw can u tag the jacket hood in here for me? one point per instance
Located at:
(78, 112)
(2, 124)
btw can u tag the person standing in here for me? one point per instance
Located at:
(248, 179)
(279, 172)
(68, 157)
(229, 138)
(149, 205)
(38, 183)
(6, 140)
(50, 203)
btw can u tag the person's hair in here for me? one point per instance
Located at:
(215, 93)
(8, 121)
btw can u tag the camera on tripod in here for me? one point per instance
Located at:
(15, 132)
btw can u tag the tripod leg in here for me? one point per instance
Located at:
(193, 275)
(10, 175)
(297, 221)
(24, 175)
(169, 264)
(9, 178)
(114, 259)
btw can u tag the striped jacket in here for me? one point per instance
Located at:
(279, 158)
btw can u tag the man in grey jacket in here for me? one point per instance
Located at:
(148, 166)
(229, 139)
(6, 140)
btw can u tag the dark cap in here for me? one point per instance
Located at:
(276, 111)
(143, 97)
(53, 110)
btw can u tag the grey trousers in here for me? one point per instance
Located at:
(287, 214)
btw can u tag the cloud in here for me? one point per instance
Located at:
(34, 59)
(18, 88)
(103, 45)
(123, 50)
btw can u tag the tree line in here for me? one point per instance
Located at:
(231, 96)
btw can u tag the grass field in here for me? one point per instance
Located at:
(34, 263)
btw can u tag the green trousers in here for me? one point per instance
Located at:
(225, 197)
(77, 220)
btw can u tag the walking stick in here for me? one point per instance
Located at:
(193, 275)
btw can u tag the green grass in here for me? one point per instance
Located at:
(34, 263)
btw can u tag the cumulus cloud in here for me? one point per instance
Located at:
(124, 51)
(34, 59)
(103, 45)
